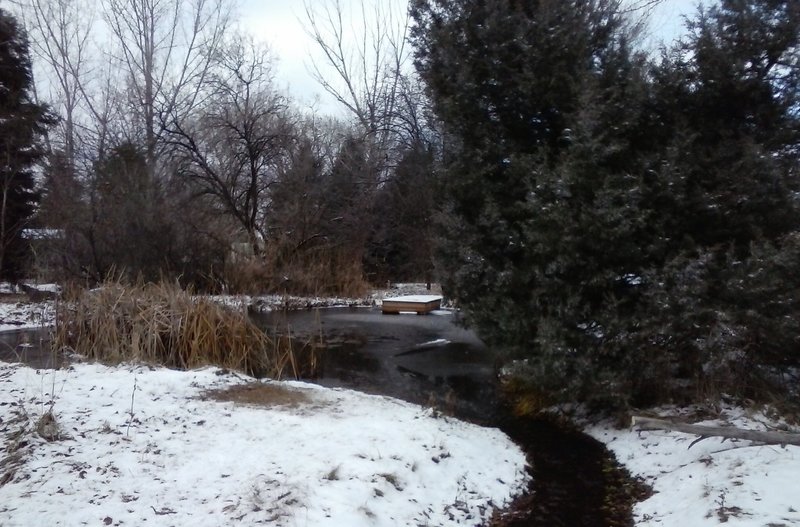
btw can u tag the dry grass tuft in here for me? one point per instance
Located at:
(15, 436)
(162, 324)
(260, 394)
(47, 426)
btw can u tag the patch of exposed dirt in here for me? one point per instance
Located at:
(260, 394)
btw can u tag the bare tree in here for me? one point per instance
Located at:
(232, 150)
(364, 54)
(165, 48)
(153, 62)
(640, 5)
(61, 30)
(364, 66)
(366, 51)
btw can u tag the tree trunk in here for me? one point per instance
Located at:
(770, 438)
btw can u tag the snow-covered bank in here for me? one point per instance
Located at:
(266, 303)
(26, 315)
(282, 453)
(17, 311)
(715, 481)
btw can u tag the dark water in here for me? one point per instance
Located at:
(425, 359)
(31, 346)
(430, 360)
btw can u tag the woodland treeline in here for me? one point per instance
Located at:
(622, 222)
(172, 152)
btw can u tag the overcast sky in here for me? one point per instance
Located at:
(278, 23)
(282, 24)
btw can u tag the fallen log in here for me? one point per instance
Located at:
(730, 432)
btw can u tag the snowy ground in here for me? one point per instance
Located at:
(16, 312)
(715, 481)
(153, 446)
(265, 303)
(325, 457)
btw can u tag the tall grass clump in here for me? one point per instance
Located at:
(314, 272)
(162, 324)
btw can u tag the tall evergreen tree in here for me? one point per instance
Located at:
(630, 234)
(400, 246)
(22, 124)
(544, 106)
(728, 285)
(350, 190)
(737, 104)
(131, 231)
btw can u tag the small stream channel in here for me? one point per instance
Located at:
(430, 360)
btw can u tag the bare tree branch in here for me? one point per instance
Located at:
(167, 47)
(231, 150)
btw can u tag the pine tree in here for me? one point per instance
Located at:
(628, 229)
(728, 285)
(400, 246)
(22, 124)
(739, 100)
(544, 104)
(349, 193)
(131, 231)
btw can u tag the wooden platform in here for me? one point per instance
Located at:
(419, 304)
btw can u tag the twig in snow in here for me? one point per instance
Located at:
(130, 418)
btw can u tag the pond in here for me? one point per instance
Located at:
(31, 346)
(425, 359)
(431, 360)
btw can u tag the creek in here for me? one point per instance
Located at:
(431, 360)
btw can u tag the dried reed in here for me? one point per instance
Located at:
(162, 324)
(320, 272)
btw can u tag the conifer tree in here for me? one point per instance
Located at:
(728, 284)
(628, 229)
(22, 124)
(543, 103)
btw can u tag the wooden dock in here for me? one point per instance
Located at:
(419, 304)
